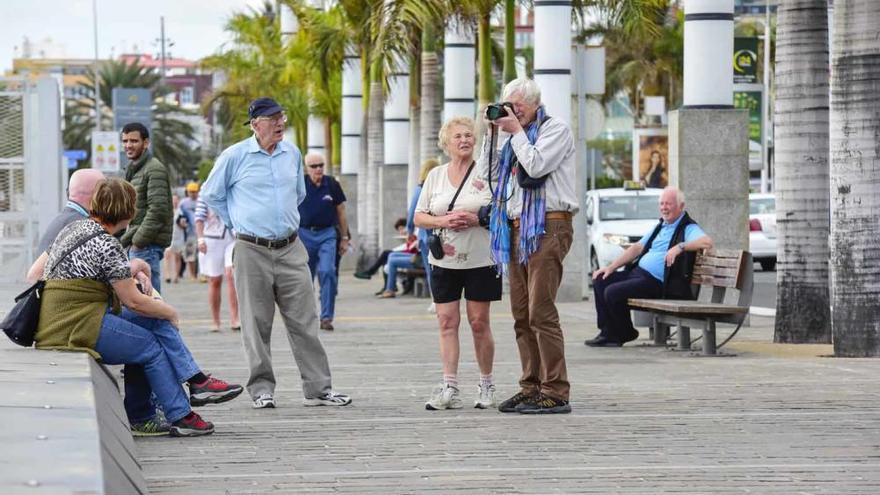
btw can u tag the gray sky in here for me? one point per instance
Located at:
(195, 26)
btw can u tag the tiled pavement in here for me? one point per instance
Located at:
(645, 420)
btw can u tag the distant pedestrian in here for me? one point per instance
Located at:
(256, 187)
(322, 211)
(174, 254)
(215, 260)
(151, 228)
(188, 208)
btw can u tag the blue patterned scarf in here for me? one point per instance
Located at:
(531, 220)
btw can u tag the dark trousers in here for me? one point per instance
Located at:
(611, 294)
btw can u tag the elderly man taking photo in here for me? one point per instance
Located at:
(256, 186)
(533, 201)
(660, 265)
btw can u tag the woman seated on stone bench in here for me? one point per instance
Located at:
(81, 311)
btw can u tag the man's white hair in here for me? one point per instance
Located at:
(527, 88)
(679, 196)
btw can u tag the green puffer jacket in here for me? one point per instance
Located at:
(152, 224)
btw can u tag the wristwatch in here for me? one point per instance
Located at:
(681, 246)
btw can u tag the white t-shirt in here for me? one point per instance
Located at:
(471, 245)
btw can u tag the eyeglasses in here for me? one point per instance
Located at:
(316, 165)
(275, 120)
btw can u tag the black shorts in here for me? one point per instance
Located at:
(480, 284)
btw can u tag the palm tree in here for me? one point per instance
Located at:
(855, 204)
(509, 41)
(801, 143)
(172, 138)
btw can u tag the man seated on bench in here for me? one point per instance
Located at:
(658, 266)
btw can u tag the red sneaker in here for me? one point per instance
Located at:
(212, 391)
(191, 425)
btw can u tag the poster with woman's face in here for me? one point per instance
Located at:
(653, 159)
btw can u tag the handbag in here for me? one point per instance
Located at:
(435, 243)
(20, 324)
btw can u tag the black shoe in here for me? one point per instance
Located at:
(631, 337)
(511, 404)
(598, 338)
(603, 342)
(362, 275)
(545, 405)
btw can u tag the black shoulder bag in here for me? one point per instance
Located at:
(20, 323)
(435, 243)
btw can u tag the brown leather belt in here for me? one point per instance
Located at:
(269, 243)
(550, 215)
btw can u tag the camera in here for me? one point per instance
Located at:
(496, 110)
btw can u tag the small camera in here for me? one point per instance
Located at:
(496, 110)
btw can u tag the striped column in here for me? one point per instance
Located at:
(352, 114)
(289, 23)
(553, 56)
(397, 120)
(316, 138)
(708, 54)
(459, 71)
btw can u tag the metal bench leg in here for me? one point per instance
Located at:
(661, 333)
(684, 338)
(709, 337)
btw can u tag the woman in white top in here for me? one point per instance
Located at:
(466, 264)
(215, 243)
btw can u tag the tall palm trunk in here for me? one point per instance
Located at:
(509, 41)
(802, 195)
(486, 91)
(375, 159)
(429, 118)
(855, 214)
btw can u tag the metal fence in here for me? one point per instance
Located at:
(16, 222)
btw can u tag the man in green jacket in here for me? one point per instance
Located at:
(150, 230)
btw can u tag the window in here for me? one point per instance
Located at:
(628, 208)
(187, 95)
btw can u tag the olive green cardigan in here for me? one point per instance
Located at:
(71, 313)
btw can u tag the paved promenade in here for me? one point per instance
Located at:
(772, 419)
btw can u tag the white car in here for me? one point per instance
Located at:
(618, 218)
(762, 229)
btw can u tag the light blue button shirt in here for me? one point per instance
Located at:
(256, 193)
(654, 261)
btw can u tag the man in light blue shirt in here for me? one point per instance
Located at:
(256, 187)
(665, 259)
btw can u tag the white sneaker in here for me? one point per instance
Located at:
(444, 396)
(485, 397)
(432, 308)
(264, 401)
(329, 399)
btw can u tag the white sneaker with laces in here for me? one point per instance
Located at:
(329, 399)
(264, 401)
(432, 308)
(485, 397)
(444, 396)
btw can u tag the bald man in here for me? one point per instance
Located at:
(321, 211)
(80, 190)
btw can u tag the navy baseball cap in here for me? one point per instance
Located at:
(262, 107)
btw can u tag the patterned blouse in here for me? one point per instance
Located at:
(101, 258)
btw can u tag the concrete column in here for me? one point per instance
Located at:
(289, 23)
(459, 71)
(316, 138)
(352, 123)
(553, 56)
(708, 138)
(393, 175)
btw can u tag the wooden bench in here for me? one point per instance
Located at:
(420, 281)
(722, 271)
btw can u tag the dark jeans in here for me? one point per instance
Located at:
(611, 294)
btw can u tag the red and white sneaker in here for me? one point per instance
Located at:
(212, 391)
(191, 425)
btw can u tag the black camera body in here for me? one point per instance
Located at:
(496, 110)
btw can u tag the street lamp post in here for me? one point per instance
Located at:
(97, 76)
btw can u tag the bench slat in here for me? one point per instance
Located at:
(714, 281)
(687, 307)
(715, 271)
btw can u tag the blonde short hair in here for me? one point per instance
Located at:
(114, 201)
(427, 166)
(443, 135)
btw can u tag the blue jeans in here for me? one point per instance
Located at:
(397, 260)
(156, 361)
(321, 246)
(153, 255)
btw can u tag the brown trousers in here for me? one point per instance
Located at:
(533, 290)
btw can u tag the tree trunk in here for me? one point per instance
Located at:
(486, 93)
(855, 154)
(429, 121)
(375, 160)
(802, 197)
(509, 41)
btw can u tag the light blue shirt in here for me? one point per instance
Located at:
(256, 193)
(654, 261)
